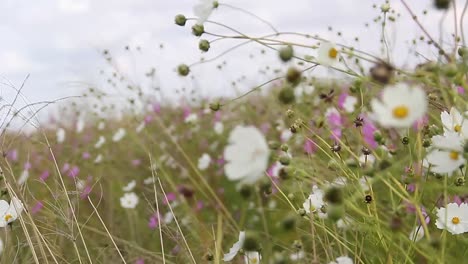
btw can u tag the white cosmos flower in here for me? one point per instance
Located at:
(203, 10)
(80, 124)
(24, 176)
(252, 257)
(60, 135)
(454, 122)
(343, 260)
(148, 180)
(119, 135)
(448, 155)
(454, 218)
(129, 186)
(218, 128)
(10, 212)
(140, 127)
(416, 234)
(297, 256)
(315, 201)
(168, 217)
(129, 200)
(365, 183)
(100, 142)
(204, 161)
(286, 135)
(366, 160)
(303, 89)
(98, 159)
(328, 54)
(349, 103)
(246, 155)
(191, 119)
(235, 248)
(101, 125)
(80, 184)
(344, 223)
(400, 106)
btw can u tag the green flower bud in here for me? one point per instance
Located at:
(378, 137)
(215, 4)
(251, 242)
(297, 245)
(215, 106)
(290, 113)
(198, 30)
(460, 181)
(442, 4)
(450, 70)
(385, 8)
(180, 20)
(265, 186)
(245, 191)
(204, 45)
(209, 257)
(285, 160)
(286, 53)
(289, 222)
(291, 196)
(284, 173)
(183, 70)
(384, 164)
(302, 212)
(426, 143)
(405, 140)
(293, 76)
(284, 147)
(286, 95)
(334, 195)
(274, 145)
(462, 52)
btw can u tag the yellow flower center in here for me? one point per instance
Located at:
(400, 112)
(254, 261)
(453, 155)
(333, 53)
(455, 220)
(8, 217)
(457, 128)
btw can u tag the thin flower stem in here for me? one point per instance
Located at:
(157, 210)
(107, 230)
(253, 15)
(415, 18)
(176, 221)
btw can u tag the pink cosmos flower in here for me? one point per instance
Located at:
(12, 155)
(86, 155)
(368, 129)
(44, 175)
(73, 172)
(335, 123)
(170, 197)
(37, 207)
(310, 147)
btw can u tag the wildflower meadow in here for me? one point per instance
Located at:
(330, 153)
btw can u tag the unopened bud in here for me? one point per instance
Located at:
(180, 20)
(198, 30)
(204, 45)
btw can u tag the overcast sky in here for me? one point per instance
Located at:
(59, 42)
